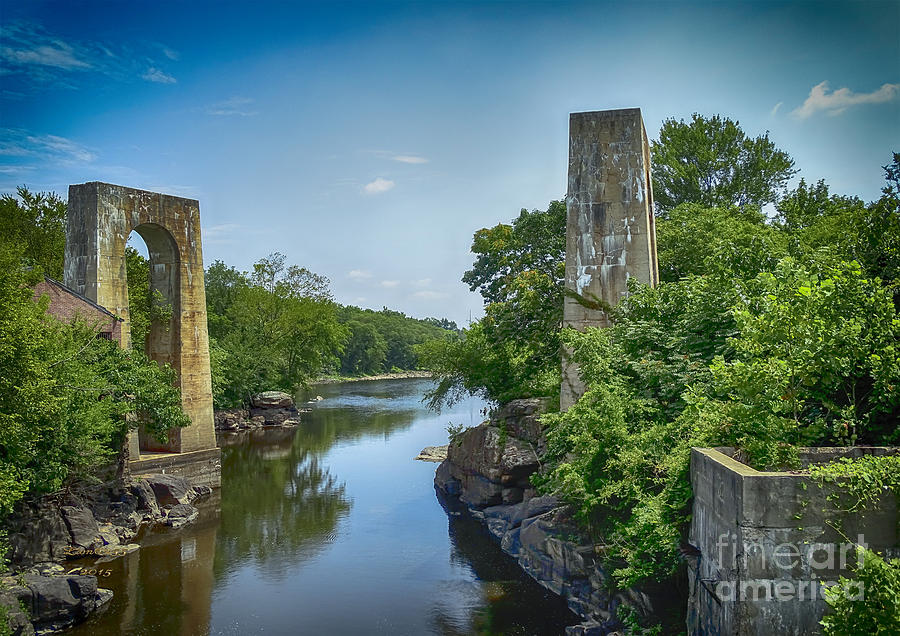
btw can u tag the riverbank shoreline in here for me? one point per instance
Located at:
(400, 375)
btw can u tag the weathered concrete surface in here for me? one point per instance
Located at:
(100, 219)
(766, 544)
(610, 234)
(202, 468)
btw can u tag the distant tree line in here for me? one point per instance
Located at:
(278, 327)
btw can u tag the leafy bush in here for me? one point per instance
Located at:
(878, 611)
(64, 393)
(763, 364)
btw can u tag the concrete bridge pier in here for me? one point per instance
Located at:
(610, 234)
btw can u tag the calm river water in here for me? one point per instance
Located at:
(330, 528)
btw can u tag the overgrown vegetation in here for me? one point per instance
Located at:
(868, 603)
(514, 350)
(765, 334)
(64, 392)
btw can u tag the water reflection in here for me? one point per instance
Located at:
(282, 505)
(330, 528)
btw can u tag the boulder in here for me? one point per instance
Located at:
(169, 490)
(180, 515)
(146, 498)
(16, 619)
(231, 419)
(57, 602)
(445, 481)
(520, 418)
(502, 459)
(82, 526)
(480, 492)
(271, 400)
(432, 454)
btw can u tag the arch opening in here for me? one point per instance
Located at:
(152, 300)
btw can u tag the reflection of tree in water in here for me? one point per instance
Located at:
(323, 427)
(279, 505)
(506, 601)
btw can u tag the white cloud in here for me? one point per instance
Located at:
(378, 186)
(232, 106)
(422, 282)
(154, 74)
(222, 228)
(428, 294)
(390, 283)
(56, 54)
(172, 54)
(15, 142)
(775, 109)
(409, 159)
(836, 102)
(359, 274)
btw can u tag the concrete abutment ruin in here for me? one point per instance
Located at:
(100, 218)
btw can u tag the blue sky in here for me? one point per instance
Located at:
(368, 141)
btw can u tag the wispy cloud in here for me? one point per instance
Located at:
(55, 54)
(32, 53)
(422, 282)
(359, 274)
(232, 106)
(389, 283)
(378, 186)
(428, 294)
(15, 142)
(158, 76)
(222, 228)
(401, 157)
(775, 108)
(409, 159)
(836, 102)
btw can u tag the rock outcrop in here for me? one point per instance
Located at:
(98, 521)
(269, 408)
(52, 603)
(432, 454)
(90, 519)
(487, 472)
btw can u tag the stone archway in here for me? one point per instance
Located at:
(100, 219)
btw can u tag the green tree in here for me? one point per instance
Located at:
(831, 228)
(711, 161)
(273, 329)
(64, 393)
(514, 351)
(365, 351)
(695, 239)
(36, 221)
(867, 604)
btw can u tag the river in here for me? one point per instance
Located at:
(330, 528)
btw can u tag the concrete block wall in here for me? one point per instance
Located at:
(768, 542)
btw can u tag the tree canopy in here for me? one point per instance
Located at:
(711, 161)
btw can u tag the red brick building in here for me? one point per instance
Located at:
(67, 304)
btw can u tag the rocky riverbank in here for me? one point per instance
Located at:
(101, 522)
(487, 475)
(399, 375)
